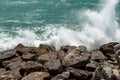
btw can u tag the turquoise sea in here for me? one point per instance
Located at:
(59, 22)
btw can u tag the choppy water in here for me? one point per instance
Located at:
(59, 22)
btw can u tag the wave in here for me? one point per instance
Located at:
(100, 27)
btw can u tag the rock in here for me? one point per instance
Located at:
(78, 74)
(106, 72)
(10, 75)
(64, 51)
(42, 49)
(53, 64)
(117, 57)
(92, 65)
(37, 76)
(62, 76)
(2, 70)
(97, 55)
(21, 49)
(47, 56)
(54, 67)
(8, 54)
(30, 66)
(13, 63)
(76, 58)
(28, 56)
(67, 48)
(108, 50)
(117, 47)
(6, 77)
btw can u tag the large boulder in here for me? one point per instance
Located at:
(62, 76)
(42, 49)
(21, 49)
(37, 76)
(54, 67)
(12, 63)
(10, 74)
(108, 50)
(28, 56)
(47, 56)
(8, 54)
(76, 58)
(106, 72)
(117, 47)
(92, 65)
(30, 66)
(77, 74)
(97, 55)
(64, 51)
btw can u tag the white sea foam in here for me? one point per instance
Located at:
(100, 27)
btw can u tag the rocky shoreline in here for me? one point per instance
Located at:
(68, 63)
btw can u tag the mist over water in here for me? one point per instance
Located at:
(99, 26)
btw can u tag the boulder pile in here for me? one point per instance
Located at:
(67, 63)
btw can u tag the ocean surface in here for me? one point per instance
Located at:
(59, 22)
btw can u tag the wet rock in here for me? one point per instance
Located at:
(92, 65)
(97, 55)
(8, 54)
(6, 77)
(62, 76)
(13, 63)
(54, 67)
(30, 66)
(106, 72)
(47, 56)
(78, 74)
(117, 57)
(53, 64)
(42, 49)
(37, 76)
(2, 70)
(117, 47)
(21, 49)
(28, 56)
(108, 50)
(76, 58)
(64, 51)
(67, 48)
(10, 75)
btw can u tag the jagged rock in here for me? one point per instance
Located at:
(30, 66)
(13, 63)
(54, 67)
(64, 51)
(108, 50)
(10, 75)
(28, 56)
(67, 48)
(117, 57)
(62, 76)
(21, 49)
(47, 56)
(78, 74)
(76, 58)
(92, 65)
(97, 55)
(37, 76)
(42, 49)
(2, 70)
(117, 47)
(106, 72)
(7, 77)
(8, 54)
(53, 64)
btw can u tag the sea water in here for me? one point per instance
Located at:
(59, 22)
